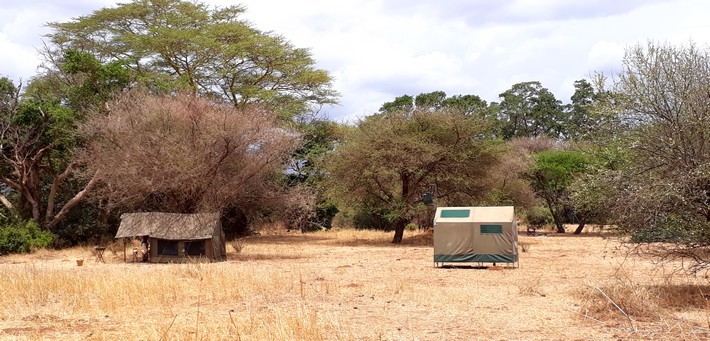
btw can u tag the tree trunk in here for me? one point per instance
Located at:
(76, 200)
(580, 227)
(556, 217)
(401, 223)
(560, 227)
(399, 227)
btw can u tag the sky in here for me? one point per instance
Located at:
(379, 50)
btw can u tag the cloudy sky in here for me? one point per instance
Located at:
(378, 50)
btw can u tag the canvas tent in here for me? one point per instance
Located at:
(475, 235)
(177, 237)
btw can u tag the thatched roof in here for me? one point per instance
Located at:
(172, 226)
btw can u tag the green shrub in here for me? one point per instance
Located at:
(412, 227)
(538, 217)
(673, 229)
(23, 237)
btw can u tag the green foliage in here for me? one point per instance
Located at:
(538, 217)
(366, 217)
(96, 82)
(551, 175)
(318, 138)
(326, 211)
(39, 137)
(390, 159)
(673, 228)
(553, 171)
(187, 45)
(412, 227)
(23, 237)
(401, 103)
(529, 110)
(430, 101)
(437, 100)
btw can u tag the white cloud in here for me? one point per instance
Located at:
(377, 50)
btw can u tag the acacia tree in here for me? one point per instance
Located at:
(552, 174)
(390, 159)
(187, 45)
(182, 153)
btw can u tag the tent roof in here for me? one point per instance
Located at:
(488, 214)
(172, 226)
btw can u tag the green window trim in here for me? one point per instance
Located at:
(491, 229)
(455, 213)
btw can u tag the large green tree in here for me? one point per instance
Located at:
(551, 176)
(435, 100)
(390, 159)
(528, 109)
(171, 44)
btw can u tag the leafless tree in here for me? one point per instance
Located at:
(181, 153)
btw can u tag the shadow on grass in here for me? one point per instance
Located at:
(683, 296)
(476, 267)
(418, 240)
(589, 231)
(283, 239)
(422, 239)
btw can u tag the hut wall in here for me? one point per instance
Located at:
(158, 246)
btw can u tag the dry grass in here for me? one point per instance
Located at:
(350, 285)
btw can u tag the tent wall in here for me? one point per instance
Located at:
(475, 234)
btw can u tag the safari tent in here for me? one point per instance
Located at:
(175, 237)
(475, 235)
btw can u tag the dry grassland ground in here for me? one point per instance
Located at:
(352, 285)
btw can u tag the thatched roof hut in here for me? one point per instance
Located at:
(176, 237)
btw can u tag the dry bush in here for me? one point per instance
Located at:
(182, 153)
(683, 296)
(237, 245)
(620, 297)
(532, 287)
(525, 246)
(505, 181)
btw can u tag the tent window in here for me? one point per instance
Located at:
(491, 229)
(455, 213)
(195, 248)
(167, 247)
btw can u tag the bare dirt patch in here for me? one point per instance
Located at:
(347, 285)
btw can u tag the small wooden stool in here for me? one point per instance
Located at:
(100, 254)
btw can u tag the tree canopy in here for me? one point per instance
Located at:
(662, 192)
(184, 154)
(528, 110)
(390, 159)
(187, 45)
